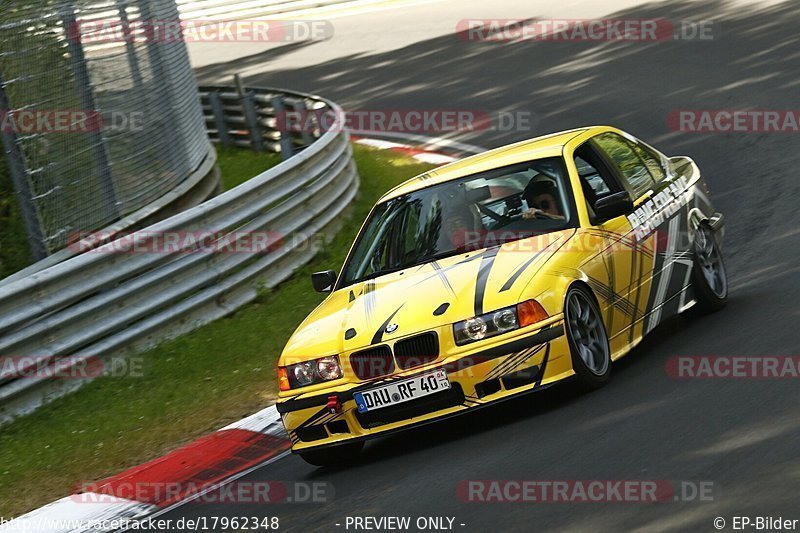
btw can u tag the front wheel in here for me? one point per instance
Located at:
(588, 341)
(709, 279)
(339, 455)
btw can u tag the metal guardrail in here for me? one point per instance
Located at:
(263, 119)
(201, 185)
(105, 303)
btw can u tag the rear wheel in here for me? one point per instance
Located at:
(339, 455)
(588, 341)
(709, 279)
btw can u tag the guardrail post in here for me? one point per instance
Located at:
(19, 177)
(219, 118)
(130, 50)
(287, 146)
(250, 114)
(302, 111)
(87, 99)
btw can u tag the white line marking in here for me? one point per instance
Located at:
(434, 159)
(266, 421)
(75, 513)
(379, 143)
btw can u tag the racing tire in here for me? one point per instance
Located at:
(709, 277)
(339, 455)
(587, 337)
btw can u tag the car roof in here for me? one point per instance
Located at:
(551, 145)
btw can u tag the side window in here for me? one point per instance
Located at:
(597, 180)
(591, 176)
(652, 161)
(633, 169)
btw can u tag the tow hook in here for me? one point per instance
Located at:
(334, 405)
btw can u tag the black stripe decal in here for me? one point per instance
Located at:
(487, 260)
(513, 362)
(627, 239)
(635, 268)
(604, 292)
(612, 282)
(642, 275)
(514, 277)
(445, 269)
(317, 416)
(505, 363)
(379, 334)
(436, 266)
(543, 368)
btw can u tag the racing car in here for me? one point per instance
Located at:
(495, 276)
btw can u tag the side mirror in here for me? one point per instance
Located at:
(613, 205)
(323, 281)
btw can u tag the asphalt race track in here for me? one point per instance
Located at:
(742, 435)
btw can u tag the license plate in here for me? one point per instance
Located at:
(402, 391)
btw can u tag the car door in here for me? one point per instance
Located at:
(655, 222)
(609, 264)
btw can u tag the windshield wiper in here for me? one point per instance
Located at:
(379, 273)
(421, 261)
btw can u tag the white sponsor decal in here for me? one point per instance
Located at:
(659, 208)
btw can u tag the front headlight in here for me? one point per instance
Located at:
(328, 368)
(505, 320)
(473, 329)
(485, 326)
(490, 324)
(303, 373)
(309, 372)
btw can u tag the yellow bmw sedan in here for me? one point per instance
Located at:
(495, 276)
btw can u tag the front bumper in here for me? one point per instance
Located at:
(490, 373)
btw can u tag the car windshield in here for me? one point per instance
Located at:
(467, 214)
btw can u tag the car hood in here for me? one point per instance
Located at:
(423, 297)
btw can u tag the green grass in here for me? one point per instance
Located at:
(239, 165)
(191, 385)
(15, 254)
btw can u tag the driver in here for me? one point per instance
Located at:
(542, 199)
(458, 225)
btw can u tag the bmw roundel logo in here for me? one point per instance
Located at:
(391, 328)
